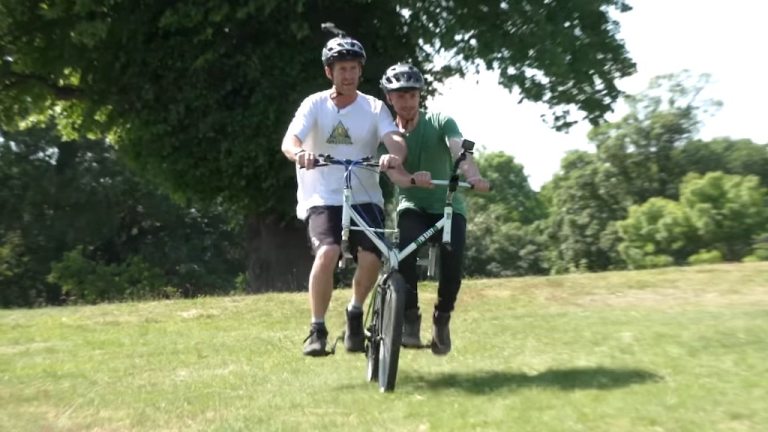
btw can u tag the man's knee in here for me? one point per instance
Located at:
(327, 255)
(367, 259)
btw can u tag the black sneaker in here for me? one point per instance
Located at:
(412, 329)
(441, 333)
(314, 344)
(354, 337)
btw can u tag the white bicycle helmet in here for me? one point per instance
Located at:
(402, 76)
(343, 48)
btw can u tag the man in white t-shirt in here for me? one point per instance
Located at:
(346, 124)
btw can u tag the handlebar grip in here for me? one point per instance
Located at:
(318, 163)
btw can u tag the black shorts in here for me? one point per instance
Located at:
(324, 227)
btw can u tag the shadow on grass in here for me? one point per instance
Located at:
(596, 378)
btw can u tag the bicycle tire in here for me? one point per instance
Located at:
(392, 311)
(373, 338)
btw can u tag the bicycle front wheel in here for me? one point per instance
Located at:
(392, 310)
(373, 339)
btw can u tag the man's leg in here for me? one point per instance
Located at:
(368, 259)
(324, 230)
(451, 266)
(368, 266)
(321, 280)
(411, 224)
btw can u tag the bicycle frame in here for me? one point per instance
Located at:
(387, 305)
(392, 255)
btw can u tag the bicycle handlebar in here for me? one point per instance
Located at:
(326, 159)
(446, 183)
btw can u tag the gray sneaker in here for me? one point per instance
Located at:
(314, 344)
(354, 337)
(441, 333)
(412, 329)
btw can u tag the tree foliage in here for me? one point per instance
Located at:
(587, 199)
(500, 238)
(511, 199)
(731, 156)
(73, 203)
(658, 232)
(727, 210)
(641, 147)
(204, 89)
(639, 157)
(197, 95)
(717, 218)
(563, 53)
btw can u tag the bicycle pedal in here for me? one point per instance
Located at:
(332, 351)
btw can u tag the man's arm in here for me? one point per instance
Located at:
(291, 146)
(396, 145)
(468, 167)
(299, 127)
(393, 167)
(295, 153)
(455, 139)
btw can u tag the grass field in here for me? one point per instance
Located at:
(678, 349)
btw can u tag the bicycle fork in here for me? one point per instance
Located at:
(345, 224)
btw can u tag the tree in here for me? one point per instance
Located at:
(641, 147)
(73, 201)
(587, 200)
(511, 199)
(196, 95)
(657, 232)
(727, 210)
(499, 242)
(504, 250)
(563, 53)
(718, 217)
(635, 160)
(731, 156)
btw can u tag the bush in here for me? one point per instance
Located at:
(760, 247)
(705, 257)
(656, 261)
(85, 280)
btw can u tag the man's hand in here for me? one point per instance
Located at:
(389, 161)
(479, 184)
(305, 160)
(422, 179)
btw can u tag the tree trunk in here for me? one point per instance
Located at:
(279, 256)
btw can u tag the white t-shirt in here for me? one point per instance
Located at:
(350, 133)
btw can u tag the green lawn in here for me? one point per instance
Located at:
(679, 349)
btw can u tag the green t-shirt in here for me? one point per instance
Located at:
(428, 151)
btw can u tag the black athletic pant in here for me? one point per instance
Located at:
(412, 224)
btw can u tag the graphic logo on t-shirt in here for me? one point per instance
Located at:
(339, 135)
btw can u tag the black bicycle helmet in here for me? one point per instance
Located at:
(343, 48)
(402, 76)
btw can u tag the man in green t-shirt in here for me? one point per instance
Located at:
(434, 143)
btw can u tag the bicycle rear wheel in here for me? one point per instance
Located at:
(392, 309)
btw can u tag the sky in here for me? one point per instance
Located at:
(726, 39)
